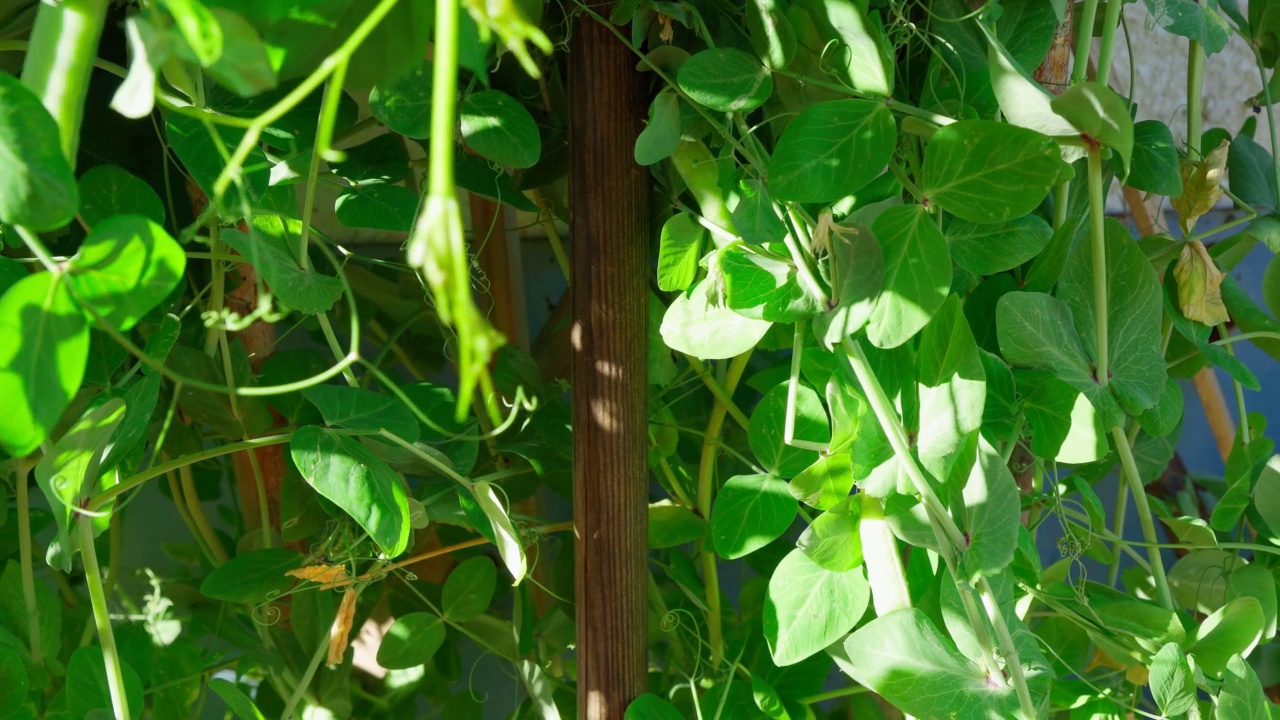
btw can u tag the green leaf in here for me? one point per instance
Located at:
(379, 207)
(13, 683)
(1257, 582)
(766, 432)
(44, 345)
(469, 589)
(108, 190)
(510, 545)
(860, 55)
(87, 692)
(1198, 580)
(253, 577)
(1133, 317)
(832, 541)
(37, 189)
(237, 702)
(693, 326)
(902, 657)
(1063, 423)
(679, 251)
(755, 217)
(1192, 20)
(917, 275)
(725, 79)
(359, 482)
(856, 263)
(767, 699)
(244, 66)
(824, 483)
(68, 475)
(1172, 683)
(11, 271)
(497, 127)
(363, 410)
(126, 267)
(412, 640)
(307, 291)
(479, 176)
(993, 513)
(404, 105)
(661, 135)
(832, 149)
(952, 384)
(383, 159)
(192, 143)
(808, 607)
(1098, 112)
(198, 27)
(1233, 629)
(987, 249)
(674, 525)
(750, 512)
(772, 36)
(651, 707)
(763, 286)
(1252, 175)
(989, 172)
(15, 616)
(1154, 168)
(1036, 330)
(1242, 697)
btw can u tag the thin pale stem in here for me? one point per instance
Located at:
(1106, 47)
(1195, 97)
(25, 565)
(1084, 38)
(1098, 240)
(102, 619)
(1130, 471)
(706, 491)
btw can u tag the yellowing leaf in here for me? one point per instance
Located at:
(1201, 186)
(1200, 286)
(320, 573)
(341, 629)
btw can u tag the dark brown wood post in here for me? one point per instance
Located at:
(609, 224)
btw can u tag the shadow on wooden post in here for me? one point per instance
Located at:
(609, 225)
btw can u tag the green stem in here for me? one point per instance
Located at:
(59, 62)
(1122, 510)
(1271, 119)
(1098, 240)
(1195, 89)
(102, 619)
(28, 572)
(1241, 410)
(1084, 38)
(706, 491)
(105, 497)
(951, 541)
(327, 67)
(444, 99)
(716, 389)
(299, 690)
(198, 518)
(1061, 202)
(1130, 471)
(1107, 46)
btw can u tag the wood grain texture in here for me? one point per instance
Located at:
(608, 335)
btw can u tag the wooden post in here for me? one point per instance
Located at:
(610, 266)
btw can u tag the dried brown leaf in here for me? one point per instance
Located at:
(1201, 186)
(341, 629)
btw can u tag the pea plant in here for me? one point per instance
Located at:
(924, 344)
(895, 345)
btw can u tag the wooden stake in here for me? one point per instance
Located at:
(610, 266)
